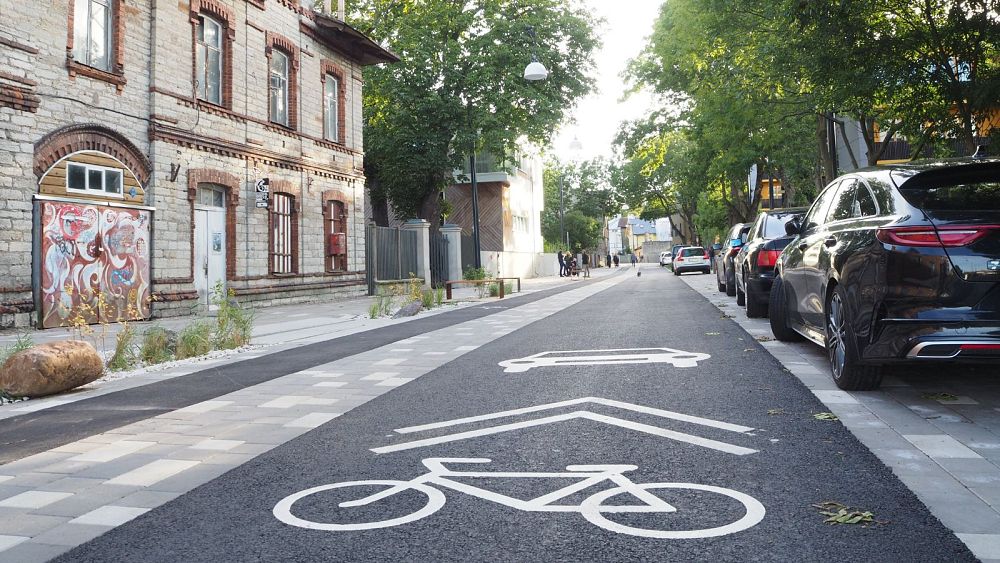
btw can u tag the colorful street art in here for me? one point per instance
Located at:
(94, 263)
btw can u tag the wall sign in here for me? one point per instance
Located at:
(263, 193)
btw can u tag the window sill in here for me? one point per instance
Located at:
(75, 68)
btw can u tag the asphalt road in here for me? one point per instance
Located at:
(754, 483)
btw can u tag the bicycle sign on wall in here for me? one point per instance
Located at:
(616, 494)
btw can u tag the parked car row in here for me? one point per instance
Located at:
(889, 265)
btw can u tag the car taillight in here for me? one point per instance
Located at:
(680, 258)
(949, 236)
(706, 255)
(767, 258)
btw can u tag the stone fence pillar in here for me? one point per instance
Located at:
(453, 234)
(423, 229)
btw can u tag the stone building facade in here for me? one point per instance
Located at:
(160, 150)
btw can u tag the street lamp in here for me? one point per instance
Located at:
(534, 71)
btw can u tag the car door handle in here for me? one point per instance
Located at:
(830, 241)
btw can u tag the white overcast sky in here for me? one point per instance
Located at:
(628, 23)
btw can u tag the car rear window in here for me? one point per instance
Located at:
(694, 251)
(961, 190)
(774, 225)
(964, 197)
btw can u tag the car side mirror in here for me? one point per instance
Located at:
(793, 228)
(736, 242)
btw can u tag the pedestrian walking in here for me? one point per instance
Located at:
(585, 259)
(608, 263)
(562, 263)
(616, 260)
(711, 258)
(632, 257)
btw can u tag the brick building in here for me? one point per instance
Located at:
(134, 136)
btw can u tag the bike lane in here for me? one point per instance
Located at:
(728, 459)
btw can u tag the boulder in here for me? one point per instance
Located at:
(409, 310)
(50, 368)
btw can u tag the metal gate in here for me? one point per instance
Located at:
(468, 252)
(391, 255)
(439, 260)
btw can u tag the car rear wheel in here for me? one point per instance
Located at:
(778, 314)
(756, 308)
(718, 281)
(730, 282)
(842, 348)
(741, 297)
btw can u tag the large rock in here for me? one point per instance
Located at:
(409, 310)
(50, 368)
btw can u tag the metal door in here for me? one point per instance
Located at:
(209, 244)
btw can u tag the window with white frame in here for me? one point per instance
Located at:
(93, 180)
(92, 33)
(208, 60)
(279, 87)
(331, 108)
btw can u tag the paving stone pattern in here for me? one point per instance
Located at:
(55, 500)
(945, 450)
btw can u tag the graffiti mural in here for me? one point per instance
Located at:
(94, 263)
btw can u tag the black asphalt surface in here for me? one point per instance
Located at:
(799, 461)
(31, 433)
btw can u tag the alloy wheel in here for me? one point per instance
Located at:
(836, 333)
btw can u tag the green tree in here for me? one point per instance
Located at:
(459, 87)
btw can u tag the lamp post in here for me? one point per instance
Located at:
(533, 72)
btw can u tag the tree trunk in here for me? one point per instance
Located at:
(828, 168)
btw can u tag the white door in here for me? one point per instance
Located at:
(209, 243)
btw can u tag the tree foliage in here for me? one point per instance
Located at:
(459, 86)
(588, 200)
(765, 83)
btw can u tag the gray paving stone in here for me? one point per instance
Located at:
(19, 523)
(32, 552)
(147, 499)
(83, 502)
(70, 534)
(189, 479)
(972, 471)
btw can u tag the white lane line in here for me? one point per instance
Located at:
(628, 424)
(573, 402)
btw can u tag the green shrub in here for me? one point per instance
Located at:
(233, 322)
(471, 273)
(22, 342)
(439, 296)
(427, 298)
(194, 340)
(375, 309)
(125, 355)
(508, 287)
(156, 346)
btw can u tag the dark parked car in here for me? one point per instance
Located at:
(894, 264)
(755, 262)
(725, 273)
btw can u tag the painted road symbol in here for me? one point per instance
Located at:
(575, 414)
(592, 508)
(679, 358)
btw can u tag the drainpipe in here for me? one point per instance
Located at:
(151, 184)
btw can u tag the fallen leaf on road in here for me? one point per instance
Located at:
(775, 411)
(825, 416)
(838, 513)
(940, 396)
(712, 333)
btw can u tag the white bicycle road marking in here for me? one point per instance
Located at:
(614, 356)
(587, 476)
(577, 414)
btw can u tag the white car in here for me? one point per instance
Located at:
(665, 258)
(692, 259)
(679, 358)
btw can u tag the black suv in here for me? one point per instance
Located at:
(755, 263)
(896, 263)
